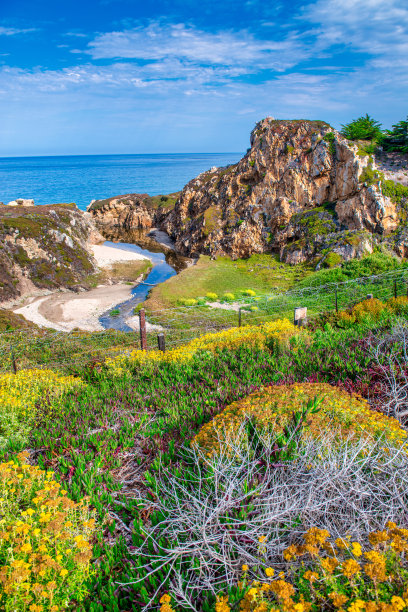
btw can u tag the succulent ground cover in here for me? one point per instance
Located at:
(122, 440)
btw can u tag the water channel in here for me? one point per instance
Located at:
(166, 263)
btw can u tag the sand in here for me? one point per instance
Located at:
(66, 310)
(107, 255)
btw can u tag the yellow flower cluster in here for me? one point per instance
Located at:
(272, 408)
(45, 540)
(251, 335)
(20, 396)
(373, 308)
(333, 576)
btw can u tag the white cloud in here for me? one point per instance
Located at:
(188, 44)
(4, 31)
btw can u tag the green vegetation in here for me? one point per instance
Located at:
(211, 217)
(363, 128)
(331, 138)
(121, 438)
(397, 138)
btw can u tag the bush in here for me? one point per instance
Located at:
(371, 576)
(229, 297)
(251, 336)
(213, 297)
(363, 128)
(271, 411)
(45, 546)
(213, 514)
(249, 292)
(23, 396)
(189, 302)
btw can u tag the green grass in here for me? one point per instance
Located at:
(262, 273)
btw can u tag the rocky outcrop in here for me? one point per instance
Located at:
(45, 247)
(292, 169)
(21, 202)
(301, 191)
(131, 212)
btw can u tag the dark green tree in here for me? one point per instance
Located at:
(397, 138)
(363, 128)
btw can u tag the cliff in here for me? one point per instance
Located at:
(131, 212)
(296, 192)
(44, 247)
(302, 191)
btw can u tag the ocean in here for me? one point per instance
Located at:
(82, 178)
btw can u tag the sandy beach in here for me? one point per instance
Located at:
(66, 310)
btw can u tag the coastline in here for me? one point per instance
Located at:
(65, 310)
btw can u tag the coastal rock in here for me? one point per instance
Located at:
(21, 202)
(292, 169)
(47, 247)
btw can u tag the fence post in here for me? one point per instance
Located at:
(395, 288)
(161, 343)
(142, 326)
(335, 295)
(240, 316)
(369, 296)
(13, 362)
(300, 316)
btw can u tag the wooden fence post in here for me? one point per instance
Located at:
(13, 362)
(142, 326)
(240, 316)
(161, 343)
(335, 296)
(300, 316)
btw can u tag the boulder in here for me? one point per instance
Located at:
(21, 202)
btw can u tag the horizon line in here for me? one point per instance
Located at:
(120, 154)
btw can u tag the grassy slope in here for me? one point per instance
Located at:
(262, 273)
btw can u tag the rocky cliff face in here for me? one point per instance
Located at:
(296, 192)
(131, 212)
(44, 247)
(301, 191)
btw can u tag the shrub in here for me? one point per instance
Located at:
(229, 297)
(213, 514)
(371, 576)
(23, 395)
(211, 296)
(249, 292)
(271, 410)
(363, 128)
(189, 302)
(45, 546)
(260, 336)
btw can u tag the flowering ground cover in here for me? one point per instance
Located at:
(109, 435)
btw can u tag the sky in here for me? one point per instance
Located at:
(162, 76)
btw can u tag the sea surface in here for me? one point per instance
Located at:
(82, 178)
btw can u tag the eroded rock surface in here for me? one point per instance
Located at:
(292, 169)
(45, 247)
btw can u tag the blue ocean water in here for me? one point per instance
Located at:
(82, 178)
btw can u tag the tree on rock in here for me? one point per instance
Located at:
(363, 128)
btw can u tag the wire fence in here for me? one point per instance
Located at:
(69, 352)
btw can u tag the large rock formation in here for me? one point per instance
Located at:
(293, 192)
(131, 212)
(45, 247)
(301, 191)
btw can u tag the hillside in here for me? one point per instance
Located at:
(44, 247)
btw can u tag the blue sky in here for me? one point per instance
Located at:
(126, 76)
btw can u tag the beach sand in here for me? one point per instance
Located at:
(66, 310)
